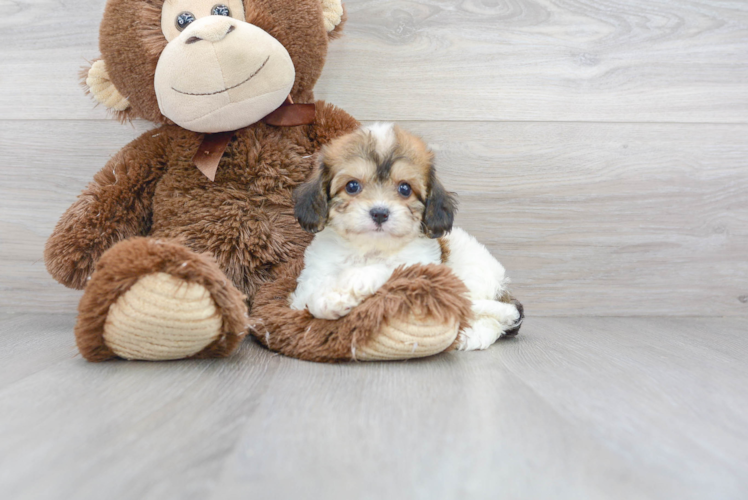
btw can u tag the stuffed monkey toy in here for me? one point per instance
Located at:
(190, 226)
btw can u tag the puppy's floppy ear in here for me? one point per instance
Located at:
(440, 209)
(310, 199)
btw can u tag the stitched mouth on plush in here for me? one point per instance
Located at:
(227, 88)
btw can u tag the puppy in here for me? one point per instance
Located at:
(376, 204)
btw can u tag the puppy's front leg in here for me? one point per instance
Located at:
(348, 291)
(331, 303)
(363, 282)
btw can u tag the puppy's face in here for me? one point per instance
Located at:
(378, 182)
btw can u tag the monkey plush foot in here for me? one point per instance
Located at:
(157, 300)
(413, 338)
(178, 318)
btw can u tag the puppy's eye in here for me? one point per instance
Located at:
(220, 10)
(184, 19)
(353, 187)
(404, 189)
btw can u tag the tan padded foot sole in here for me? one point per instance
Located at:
(401, 340)
(162, 317)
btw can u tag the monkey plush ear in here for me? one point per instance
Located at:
(440, 209)
(334, 15)
(310, 202)
(102, 88)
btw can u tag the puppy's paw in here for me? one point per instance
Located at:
(332, 305)
(366, 287)
(507, 315)
(364, 282)
(494, 319)
(481, 334)
(513, 330)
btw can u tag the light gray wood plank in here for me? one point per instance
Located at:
(525, 60)
(606, 219)
(43, 46)
(33, 343)
(119, 429)
(573, 408)
(611, 413)
(677, 374)
(588, 219)
(47, 164)
(544, 60)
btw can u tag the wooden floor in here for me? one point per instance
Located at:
(599, 149)
(573, 408)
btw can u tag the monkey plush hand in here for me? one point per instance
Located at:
(176, 235)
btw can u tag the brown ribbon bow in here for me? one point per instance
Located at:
(211, 150)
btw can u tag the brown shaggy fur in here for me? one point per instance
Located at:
(150, 209)
(430, 292)
(151, 187)
(125, 263)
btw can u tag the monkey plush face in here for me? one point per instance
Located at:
(242, 73)
(210, 65)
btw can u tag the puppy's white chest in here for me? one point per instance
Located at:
(421, 252)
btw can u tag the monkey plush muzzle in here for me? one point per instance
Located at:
(221, 73)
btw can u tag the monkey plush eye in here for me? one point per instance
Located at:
(404, 189)
(353, 187)
(220, 10)
(184, 19)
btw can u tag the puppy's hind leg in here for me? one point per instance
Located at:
(495, 312)
(504, 313)
(491, 319)
(514, 329)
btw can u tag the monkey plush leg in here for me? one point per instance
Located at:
(152, 299)
(417, 313)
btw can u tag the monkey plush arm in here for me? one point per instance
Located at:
(115, 206)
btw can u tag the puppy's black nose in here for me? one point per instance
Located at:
(380, 215)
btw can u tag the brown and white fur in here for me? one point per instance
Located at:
(376, 204)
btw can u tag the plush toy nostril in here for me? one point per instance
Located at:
(211, 31)
(379, 215)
